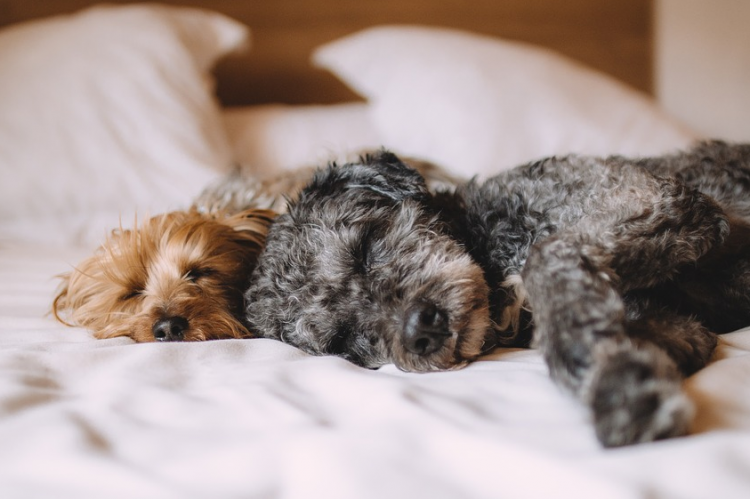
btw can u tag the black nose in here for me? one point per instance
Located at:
(425, 329)
(170, 329)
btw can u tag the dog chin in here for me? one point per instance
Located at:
(425, 366)
(447, 359)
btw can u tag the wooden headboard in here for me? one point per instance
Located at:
(611, 35)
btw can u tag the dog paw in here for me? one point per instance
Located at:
(638, 398)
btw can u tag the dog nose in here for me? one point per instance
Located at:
(170, 329)
(425, 329)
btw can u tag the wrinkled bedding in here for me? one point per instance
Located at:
(257, 418)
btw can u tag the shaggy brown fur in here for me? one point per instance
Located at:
(178, 276)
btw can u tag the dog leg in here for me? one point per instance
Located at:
(574, 286)
(717, 289)
(680, 227)
(687, 342)
(632, 387)
(635, 395)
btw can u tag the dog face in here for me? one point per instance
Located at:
(178, 277)
(360, 267)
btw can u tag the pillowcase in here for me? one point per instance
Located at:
(478, 105)
(108, 111)
(269, 138)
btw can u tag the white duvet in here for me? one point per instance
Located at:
(257, 418)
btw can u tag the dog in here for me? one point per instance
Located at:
(181, 276)
(620, 271)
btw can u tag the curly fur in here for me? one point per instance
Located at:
(181, 276)
(621, 271)
(340, 284)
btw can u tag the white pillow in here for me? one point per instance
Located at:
(108, 111)
(273, 137)
(477, 105)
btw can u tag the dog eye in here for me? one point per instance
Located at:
(130, 295)
(337, 344)
(199, 272)
(363, 252)
(363, 256)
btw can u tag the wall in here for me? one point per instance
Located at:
(702, 60)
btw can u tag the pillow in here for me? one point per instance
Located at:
(269, 138)
(107, 111)
(478, 105)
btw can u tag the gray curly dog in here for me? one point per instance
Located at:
(621, 271)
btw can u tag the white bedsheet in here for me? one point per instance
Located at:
(256, 418)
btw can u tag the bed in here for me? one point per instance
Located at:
(119, 111)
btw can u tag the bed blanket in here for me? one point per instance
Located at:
(257, 418)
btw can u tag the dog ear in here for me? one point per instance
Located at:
(381, 173)
(384, 173)
(402, 181)
(251, 225)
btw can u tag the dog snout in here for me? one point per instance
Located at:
(170, 329)
(425, 329)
